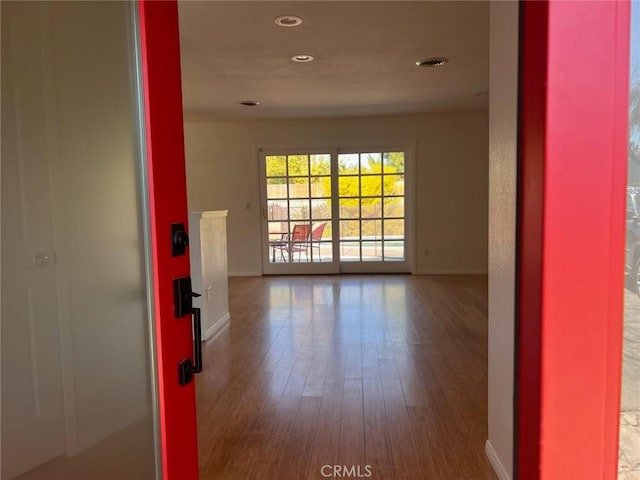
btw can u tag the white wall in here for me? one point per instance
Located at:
(451, 178)
(502, 231)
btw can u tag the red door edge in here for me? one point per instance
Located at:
(160, 55)
(571, 232)
(531, 133)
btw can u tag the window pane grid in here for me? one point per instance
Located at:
(299, 208)
(379, 205)
(378, 174)
(371, 205)
(365, 196)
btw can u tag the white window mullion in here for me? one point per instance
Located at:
(335, 208)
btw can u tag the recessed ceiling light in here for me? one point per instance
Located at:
(432, 62)
(249, 103)
(288, 21)
(302, 58)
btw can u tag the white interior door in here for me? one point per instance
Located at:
(33, 427)
(77, 329)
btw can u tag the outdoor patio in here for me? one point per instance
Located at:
(351, 250)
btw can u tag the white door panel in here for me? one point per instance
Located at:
(32, 409)
(78, 371)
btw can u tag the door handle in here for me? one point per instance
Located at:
(42, 260)
(183, 297)
(186, 368)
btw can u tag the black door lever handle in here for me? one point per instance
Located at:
(186, 368)
(183, 297)
(197, 342)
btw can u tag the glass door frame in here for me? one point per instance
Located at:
(336, 266)
(296, 268)
(406, 266)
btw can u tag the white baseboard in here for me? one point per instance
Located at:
(495, 462)
(452, 271)
(217, 327)
(244, 274)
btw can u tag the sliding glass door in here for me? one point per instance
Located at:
(297, 212)
(334, 210)
(371, 197)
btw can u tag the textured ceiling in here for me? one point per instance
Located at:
(365, 54)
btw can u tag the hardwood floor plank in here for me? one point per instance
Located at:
(382, 474)
(376, 428)
(351, 444)
(302, 439)
(314, 385)
(325, 447)
(288, 405)
(403, 449)
(386, 371)
(244, 458)
(273, 456)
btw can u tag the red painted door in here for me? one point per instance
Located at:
(574, 70)
(160, 49)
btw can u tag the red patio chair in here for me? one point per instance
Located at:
(316, 236)
(297, 241)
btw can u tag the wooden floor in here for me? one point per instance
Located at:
(385, 374)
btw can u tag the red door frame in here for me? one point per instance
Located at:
(160, 45)
(574, 69)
